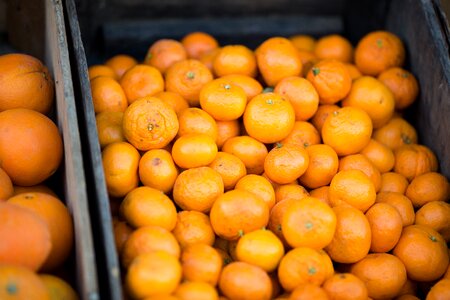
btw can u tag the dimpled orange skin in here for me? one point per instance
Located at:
(440, 291)
(150, 123)
(323, 165)
(402, 84)
(193, 227)
(251, 151)
(334, 46)
(277, 58)
(196, 120)
(344, 286)
(194, 150)
(395, 133)
(141, 81)
(108, 95)
(362, 163)
(399, 202)
(226, 130)
(201, 262)
(436, 215)
(235, 59)
(259, 186)
(164, 53)
(414, 160)
(121, 63)
(157, 170)
(269, 118)
(428, 187)
(230, 168)
(199, 43)
(250, 85)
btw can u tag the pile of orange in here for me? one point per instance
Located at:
(286, 172)
(36, 230)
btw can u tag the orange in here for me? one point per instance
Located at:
(439, 291)
(384, 274)
(393, 182)
(414, 160)
(352, 238)
(175, 101)
(308, 60)
(101, 70)
(353, 71)
(303, 42)
(323, 165)
(196, 290)
(309, 291)
(122, 232)
(423, 251)
(269, 118)
(194, 120)
(141, 81)
(237, 212)
(193, 227)
(194, 150)
(334, 46)
(120, 165)
(6, 186)
(407, 297)
(25, 83)
(321, 115)
(347, 130)
(352, 187)
(207, 58)
(250, 85)
(261, 248)
(301, 94)
(226, 130)
(164, 53)
(436, 215)
(381, 156)
(321, 194)
(148, 239)
(240, 280)
(121, 63)
(409, 287)
(201, 262)
(109, 128)
(198, 43)
(223, 100)
(397, 132)
(230, 168)
(402, 84)
(17, 282)
(331, 80)
(41, 188)
(379, 51)
(25, 235)
(31, 147)
(386, 226)
(235, 59)
(308, 223)
(259, 186)
(58, 288)
(187, 78)
(277, 58)
(290, 191)
(59, 222)
(345, 286)
(145, 206)
(197, 189)
(276, 217)
(149, 123)
(251, 151)
(285, 163)
(107, 95)
(303, 265)
(401, 203)
(360, 162)
(157, 170)
(303, 134)
(154, 273)
(428, 187)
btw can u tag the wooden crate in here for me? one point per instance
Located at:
(37, 28)
(111, 27)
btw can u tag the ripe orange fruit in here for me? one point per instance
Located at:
(201, 262)
(301, 94)
(381, 156)
(226, 130)
(31, 148)
(331, 80)
(122, 232)
(347, 130)
(401, 203)
(321, 115)
(402, 84)
(353, 71)
(397, 132)
(149, 123)
(304, 265)
(25, 235)
(197, 189)
(250, 85)
(360, 162)
(303, 42)
(269, 118)
(157, 170)
(308, 223)
(352, 187)
(436, 215)
(187, 78)
(58, 220)
(193, 227)
(428, 187)
(40, 188)
(120, 165)
(148, 239)
(345, 286)
(207, 58)
(175, 101)
(101, 70)
(199, 43)
(194, 150)
(121, 63)
(58, 288)
(372, 96)
(379, 51)
(441, 290)
(17, 282)
(351, 241)
(303, 134)
(384, 274)
(164, 53)
(25, 83)
(194, 120)
(109, 128)
(276, 217)
(285, 163)
(237, 212)
(323, 165)
(259, 186)
(235, 59)
(308, 291)
(6, 186)
(290, 191)
(393, 182)
(409, 287)
(107, 95)
(141, 81)
(251, 151)
(154, 273)
(277, 58)
(334, 46)
(230, 168)
(321, 194)
(223, 100)
(240, 280)
(414, 160)
(423, 251)
(196, 290)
